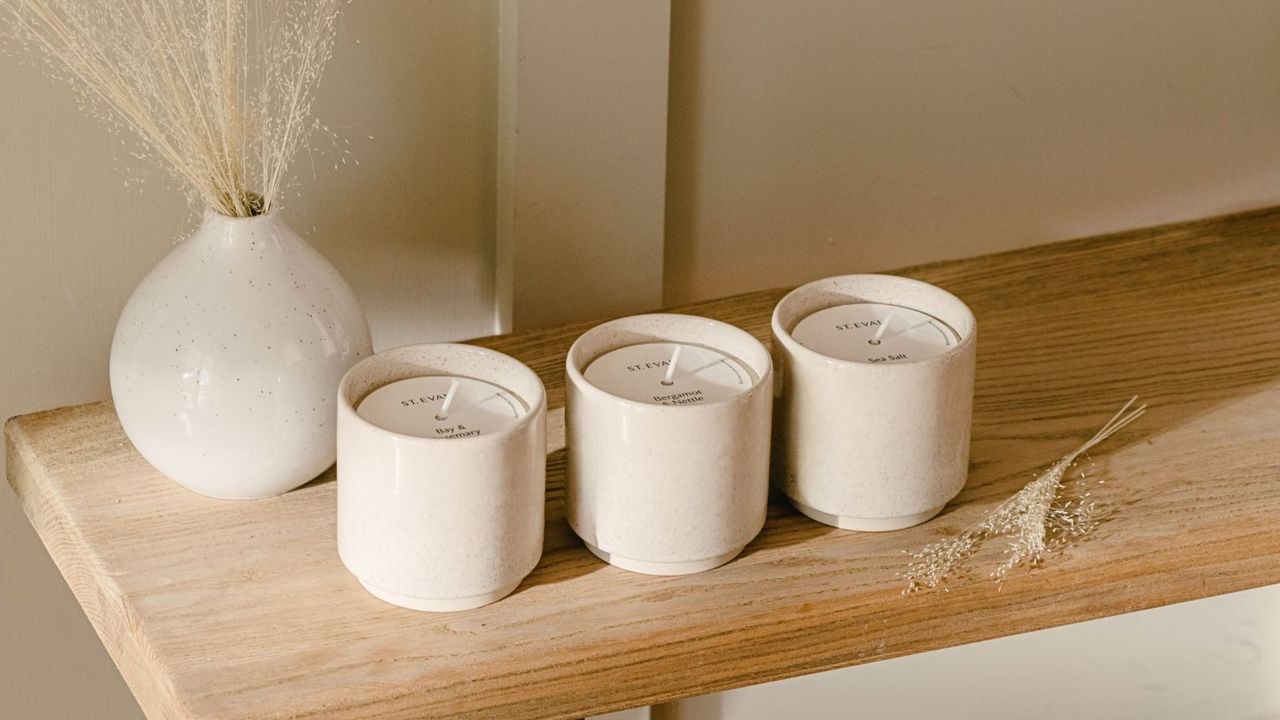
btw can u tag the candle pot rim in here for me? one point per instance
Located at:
(677, 328)
(840, 290)
(428, 359)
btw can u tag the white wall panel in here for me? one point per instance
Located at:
(583, 158)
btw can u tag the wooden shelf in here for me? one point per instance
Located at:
(242, 610)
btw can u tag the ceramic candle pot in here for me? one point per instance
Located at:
(668, 489)
(874, 445)
(433, 523)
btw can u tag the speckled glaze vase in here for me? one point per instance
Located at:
(226, 360)
(659, 489)
(441, 524)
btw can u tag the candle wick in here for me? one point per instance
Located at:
(884, 325)
(909, 329)
(671, 368)
(481, 401)
(448, 401)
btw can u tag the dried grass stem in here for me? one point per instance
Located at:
(1036, 518)
(217, 91)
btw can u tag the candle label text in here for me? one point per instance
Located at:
(887, 358)
(858, 325)
(649, 366)
(456, 431)
(424, 400)
(681, 398)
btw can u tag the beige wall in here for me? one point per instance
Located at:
(411, 228)
(822, 137)
(583, 148)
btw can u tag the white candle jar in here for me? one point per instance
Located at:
(874, 434)
(450, 521)
(675, 488)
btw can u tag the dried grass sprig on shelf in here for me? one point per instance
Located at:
(218, 91)
(1037, 518)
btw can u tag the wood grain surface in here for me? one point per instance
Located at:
(217, 609)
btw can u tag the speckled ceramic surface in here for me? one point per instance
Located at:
(660, 489)
(873, 446)
(226, 359)
(441, 524)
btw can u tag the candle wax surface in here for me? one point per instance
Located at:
(701, 374)
(416, 406)
(849, 332)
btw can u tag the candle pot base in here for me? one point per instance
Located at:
(439, 604)
(867, 524)
(646, 567)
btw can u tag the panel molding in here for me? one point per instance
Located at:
(581, 178)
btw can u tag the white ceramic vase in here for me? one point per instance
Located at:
(226, 360)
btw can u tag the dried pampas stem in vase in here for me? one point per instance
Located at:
(1037, 518)
(226, 356)
(217, 91)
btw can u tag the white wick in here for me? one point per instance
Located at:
(479, 402)
(671, 369)
(913, 327)
(884, 325)
(448, 401)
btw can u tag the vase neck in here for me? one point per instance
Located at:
(231, 233)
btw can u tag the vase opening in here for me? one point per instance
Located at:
(247, 205)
